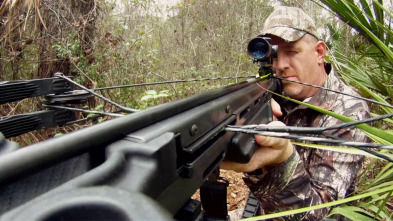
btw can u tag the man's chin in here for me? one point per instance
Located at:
(292, 92)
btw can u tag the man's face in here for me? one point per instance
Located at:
(297, 61)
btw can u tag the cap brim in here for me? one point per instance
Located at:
(288, 34)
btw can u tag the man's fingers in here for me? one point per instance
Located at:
(238, 167)
(272, 151)
(276, 108)
(274, 142)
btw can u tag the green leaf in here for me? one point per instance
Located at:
(99, 107)
(151, 92)
(91, 115)
(377, 187)
(386, 119)
(162, 95)
(164, 92)
(352, 212)
(58, 134)
(380, 211)
(375, 96)
(147, 97)
(325, 205)
(349, 150)
(350, 13)
(385, 174)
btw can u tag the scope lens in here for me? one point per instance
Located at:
(258, 48)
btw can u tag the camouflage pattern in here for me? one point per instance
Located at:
(312, 176)
(289, 23)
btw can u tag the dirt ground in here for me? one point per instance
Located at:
(237, 191)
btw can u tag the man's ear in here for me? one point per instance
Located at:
(320, 49)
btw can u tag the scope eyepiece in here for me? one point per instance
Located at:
(261, 48)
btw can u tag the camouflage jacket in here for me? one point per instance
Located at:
(312, 176)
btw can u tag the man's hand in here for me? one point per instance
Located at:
(272, 150)
(276, 109)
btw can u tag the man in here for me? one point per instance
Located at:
(294, 176)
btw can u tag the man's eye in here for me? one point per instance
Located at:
(291, 52)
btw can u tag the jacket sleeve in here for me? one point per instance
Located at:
(309, 177)
(285, 187)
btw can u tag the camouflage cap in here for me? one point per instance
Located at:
(289, 23)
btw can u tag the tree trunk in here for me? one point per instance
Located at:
(64, 22)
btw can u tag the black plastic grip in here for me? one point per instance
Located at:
(243, 145)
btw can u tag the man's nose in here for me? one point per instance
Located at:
(280, 64)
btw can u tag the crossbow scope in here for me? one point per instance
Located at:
(262, 50)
